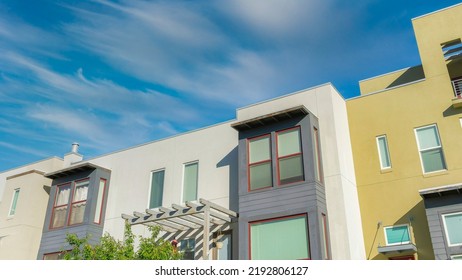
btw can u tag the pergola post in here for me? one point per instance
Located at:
(206, 233)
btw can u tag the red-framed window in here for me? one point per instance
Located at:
(317, 155)
(100, 201)
(289, 156)
(260, 173)
(70, 203)
(325, 236)
(60, 206)
(281, 238)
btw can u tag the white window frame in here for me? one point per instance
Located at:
(150, 184)
(397, 243)
(429, 149)
(446, 230)
(183, 179)
(16, 191)
(387, 151)
(456, 256)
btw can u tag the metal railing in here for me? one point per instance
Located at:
(457, 86)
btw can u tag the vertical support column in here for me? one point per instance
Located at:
(206, 233)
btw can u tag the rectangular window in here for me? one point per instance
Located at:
(289, 153)
(458, 257)
(157, 189)
(325, 236)
(395, 235)
(453, 228)
(54, 256)
(190, 181)
(59, 214)
(279, 239)
(384, 155)
(100, 200)
(79, 202)
(187, 247)
(14, 202)
(430, 149)
(259, 151)
(317, 155)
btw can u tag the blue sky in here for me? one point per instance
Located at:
(113, 74)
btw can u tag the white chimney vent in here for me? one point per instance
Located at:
(75, 148)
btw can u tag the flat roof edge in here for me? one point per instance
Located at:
(435, 12)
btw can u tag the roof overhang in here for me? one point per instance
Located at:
(86, 166)
(455, 189)
(271, 118)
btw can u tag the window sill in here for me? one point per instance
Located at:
(387, 170)
(435, 173)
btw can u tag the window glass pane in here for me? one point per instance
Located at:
(157, 189)
(260, 176)
(259, 149)
(54, 256)
(428, 137)
(317, 155)
(79, 202)
(187, 248)
(433, 160)
(59, 216)
(14, 202)
(99, 202)
(284, 239)
(190, 182)
(456, 257)
(288, 142)
(453, 224)
(291, 169)
(383, 150)
(63, 195)
(397, 235)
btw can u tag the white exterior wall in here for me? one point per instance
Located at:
(341, 193)
(131, 169)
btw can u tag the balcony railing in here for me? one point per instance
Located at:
(457, 86)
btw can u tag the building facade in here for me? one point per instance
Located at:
(275, 183)
(406, 136)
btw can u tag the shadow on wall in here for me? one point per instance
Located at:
(410, 75)
(417, 217)
(231, 161)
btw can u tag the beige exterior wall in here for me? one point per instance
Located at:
(20, 233)
(391, 197)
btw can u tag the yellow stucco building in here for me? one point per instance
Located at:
(406, 134)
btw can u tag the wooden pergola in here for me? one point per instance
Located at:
(194, 215)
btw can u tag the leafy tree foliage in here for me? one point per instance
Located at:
(150, 248)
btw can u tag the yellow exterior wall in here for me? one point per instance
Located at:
(392, 197)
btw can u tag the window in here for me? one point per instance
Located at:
(289, 152)
(79, 202)
(99, 202)
(325, 236)
(396, 235)
(70, 196)
(14, 203)
(458, 257)
(431, 151)
(284, 238)
(453, 228)
(157, 188)
(54, 256)
(317, 155)
(58, 217)
(384, 155)
(260, 175)
(190, 181)
(187, 248)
